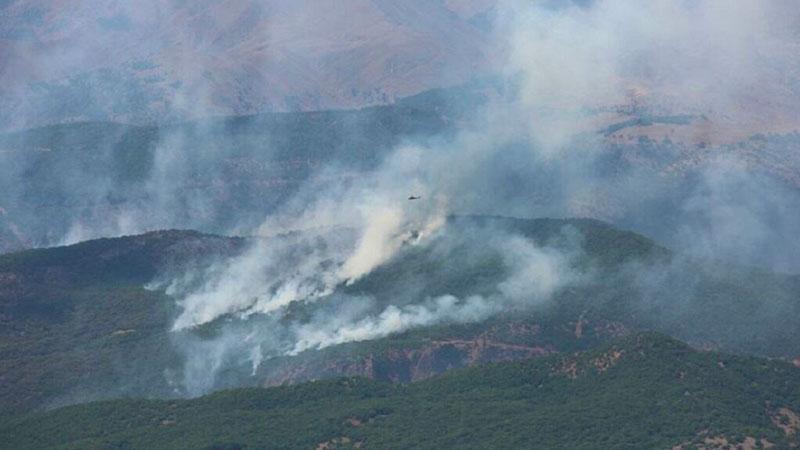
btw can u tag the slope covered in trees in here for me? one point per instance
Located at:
(642, 391)
(83, 323)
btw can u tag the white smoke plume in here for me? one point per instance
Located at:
(536, 274)
(267, 326)
(579, 66)
(355, 229)
(575, 68)
(392, 319)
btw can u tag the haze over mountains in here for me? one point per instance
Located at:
(149, 61)
(197, 196)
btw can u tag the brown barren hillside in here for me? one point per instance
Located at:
(73, 60)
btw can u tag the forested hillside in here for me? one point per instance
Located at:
(643, 391)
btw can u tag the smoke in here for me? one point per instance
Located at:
(686, 56)
(585, 65)
(392, 319)
(355, 229)
(734, 214)
(534, 275)
(635, 113)
(172, 191)
(296, 298)
(569, 70)
(535, 151)
(331, 235)
(163, 62)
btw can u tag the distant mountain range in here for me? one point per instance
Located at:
(155, 61)
(66, 183)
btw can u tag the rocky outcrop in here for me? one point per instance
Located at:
(508, 341)
(402, 365)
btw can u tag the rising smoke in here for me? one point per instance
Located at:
(537, 147)
(533, 153)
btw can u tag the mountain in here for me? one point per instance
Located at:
(641, 391)
(231, 224)
(85, 322)
(81, 313)
(67, 183)
(156, 61)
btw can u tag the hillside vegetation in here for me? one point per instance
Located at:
(643, 391)
(78, 324)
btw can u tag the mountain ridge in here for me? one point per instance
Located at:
(641, 390)
(99, 332)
